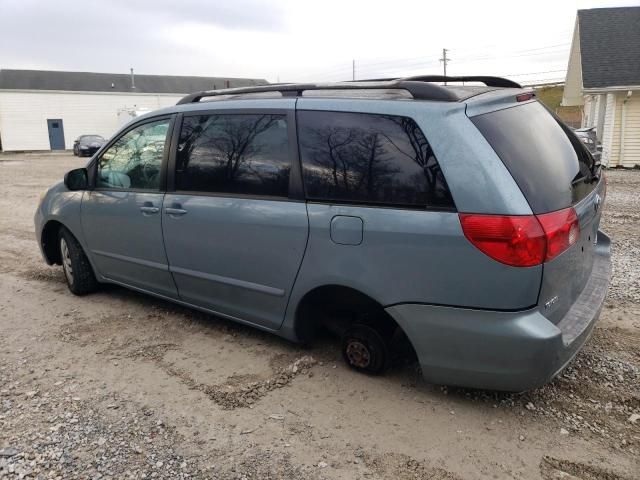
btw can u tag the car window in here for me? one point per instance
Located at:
(235, 153)
(365, 158)
(546, 159)
(135, 159)
(91, 138)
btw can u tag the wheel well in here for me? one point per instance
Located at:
(50, 242)
(336, 308)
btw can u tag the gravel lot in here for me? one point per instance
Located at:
(117, 385)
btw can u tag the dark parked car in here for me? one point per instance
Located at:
(459, 221)
(590, 140)
(87, 145)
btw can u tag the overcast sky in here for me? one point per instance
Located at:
(292, 40)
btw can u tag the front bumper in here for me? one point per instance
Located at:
(88, 151)
(38, 222)
(513, 351)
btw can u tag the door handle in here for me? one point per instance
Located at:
(174, 211)
(149, 210)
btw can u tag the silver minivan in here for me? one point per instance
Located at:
(457, 223)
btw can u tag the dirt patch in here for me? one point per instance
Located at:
(235, 394)
(43, 274)
(555, 469)
(402, 467)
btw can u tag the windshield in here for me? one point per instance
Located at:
(548, 162)
(91, 139)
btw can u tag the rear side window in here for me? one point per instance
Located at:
(547, 161)
(236, 153)
(370, 159)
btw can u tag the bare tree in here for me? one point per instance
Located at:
(355, 158)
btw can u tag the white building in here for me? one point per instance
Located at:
(47, 110)
(604, 78)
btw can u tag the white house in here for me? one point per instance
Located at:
(604, 78)
(47, 110)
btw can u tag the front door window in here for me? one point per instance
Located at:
(134, 161)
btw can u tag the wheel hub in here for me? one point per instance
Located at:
(358, 354)
(66, 260)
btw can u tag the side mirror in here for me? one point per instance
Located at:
(77, 179)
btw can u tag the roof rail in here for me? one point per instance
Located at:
(487, 80)
(421, 87)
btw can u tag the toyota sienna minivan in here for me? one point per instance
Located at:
(460, 219)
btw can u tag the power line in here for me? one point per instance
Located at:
(546, 47)
(531, 73)
(470, 59)
(374, 69)
(411, 61)
(444, 61)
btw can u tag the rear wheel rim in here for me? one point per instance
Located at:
(66, 260)
(358, 354)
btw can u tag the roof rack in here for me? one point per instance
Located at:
(487, 80)
(420, 87)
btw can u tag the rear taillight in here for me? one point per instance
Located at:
(522, 240)
(561, 229)
(514, 240)
(523, 97)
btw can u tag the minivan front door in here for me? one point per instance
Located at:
(234, 237)
(121, 216)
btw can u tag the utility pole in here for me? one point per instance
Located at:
(353, 69)
(444, 61)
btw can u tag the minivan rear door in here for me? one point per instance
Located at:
(234, 229)
(554, 171)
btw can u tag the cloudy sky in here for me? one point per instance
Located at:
(291, 40)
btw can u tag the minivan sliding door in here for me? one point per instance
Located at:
(234, 237)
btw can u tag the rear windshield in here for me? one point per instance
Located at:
(547, 161)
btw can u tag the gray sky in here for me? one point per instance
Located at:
(291, 40)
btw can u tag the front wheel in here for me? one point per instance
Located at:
(364, 350)
(76, 266)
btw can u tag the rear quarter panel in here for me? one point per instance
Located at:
(418, 256)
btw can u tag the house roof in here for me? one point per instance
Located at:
(610, 46)
(115, 82)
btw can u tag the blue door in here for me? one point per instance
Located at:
(121, 215)
(234, 237)
(56, 133)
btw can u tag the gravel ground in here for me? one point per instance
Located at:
(117, 385)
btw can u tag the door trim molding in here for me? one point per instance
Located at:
(190, 305)
(256, 287)
(124, 258)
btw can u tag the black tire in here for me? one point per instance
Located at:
(365, 350)
(77, 269)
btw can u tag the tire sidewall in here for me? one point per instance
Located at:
(83, 278)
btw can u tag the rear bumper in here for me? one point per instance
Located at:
(513, 351)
